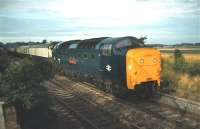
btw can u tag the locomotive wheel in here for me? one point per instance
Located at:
(100, 85)
(108, 88)
(155, 90)
(151, 91)
(119, 91)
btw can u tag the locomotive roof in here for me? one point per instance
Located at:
(90, 43)
(117, 39)
(114, 40)
(66, 44)
(95, 43)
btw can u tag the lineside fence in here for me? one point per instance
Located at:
(2, 120)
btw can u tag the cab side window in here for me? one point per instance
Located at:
(106, 49)
(123, 44)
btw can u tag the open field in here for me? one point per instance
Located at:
(189, 53)
(188, 57)
(189, 50)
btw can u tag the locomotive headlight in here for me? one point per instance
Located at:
(130, 67)
(141, 61)
(154, 60)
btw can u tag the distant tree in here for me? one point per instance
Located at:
(44, 41)
(197, 44)
(2, 44)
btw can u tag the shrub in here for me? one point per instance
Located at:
(179, 61)
(21, 86)
(169, 76)
(184, 82)
(193, 68)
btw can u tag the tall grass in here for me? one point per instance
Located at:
(181, 77)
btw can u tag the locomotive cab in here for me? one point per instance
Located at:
(135, 66)
(142, 66)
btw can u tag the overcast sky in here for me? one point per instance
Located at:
(162, 21)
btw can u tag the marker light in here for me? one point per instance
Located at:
(154, 60)
(141, 61)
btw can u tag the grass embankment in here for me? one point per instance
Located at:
(182, 76)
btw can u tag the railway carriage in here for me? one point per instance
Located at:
(118, 64)
(41, 50)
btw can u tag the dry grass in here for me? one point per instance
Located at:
(184, 84)
(168, 57)
(188, 87)
(192, 57)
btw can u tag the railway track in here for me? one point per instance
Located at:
(145, 114)
(172, 106)
(90, 116)
(179, 103)
(67, 117)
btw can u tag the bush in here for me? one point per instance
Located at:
(21, 86)
(179, 61)
(169, 76)
(193, 68)
(184, 81)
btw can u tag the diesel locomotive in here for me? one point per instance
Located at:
(118, 65)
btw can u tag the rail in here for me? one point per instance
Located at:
(180, 103)
(148, 109)
(95, 118)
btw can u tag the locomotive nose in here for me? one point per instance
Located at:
(142, 65)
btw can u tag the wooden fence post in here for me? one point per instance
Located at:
(2, 121)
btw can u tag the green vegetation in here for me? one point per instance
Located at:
(182, 76)
(179, 61)
(21, 86)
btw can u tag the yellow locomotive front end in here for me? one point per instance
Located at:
(142, 65)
